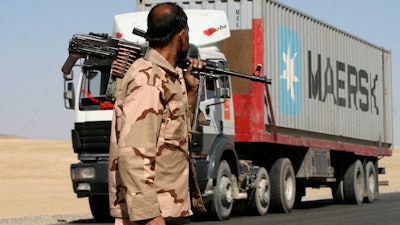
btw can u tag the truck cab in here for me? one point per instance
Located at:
(91, 133)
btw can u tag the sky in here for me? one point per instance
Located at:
(35, 36)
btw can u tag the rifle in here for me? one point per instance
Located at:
(212, 68)
(123, 52)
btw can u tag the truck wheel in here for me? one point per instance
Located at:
(283, 185)
(221, 205)
(99, 205)
(354, 183)
(261, 193)
(371, 184)
(337, 192)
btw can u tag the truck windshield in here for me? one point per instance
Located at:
(94, 85)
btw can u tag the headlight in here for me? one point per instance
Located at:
(83, 187)
(84, 173)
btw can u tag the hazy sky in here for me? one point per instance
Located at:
(35, 35)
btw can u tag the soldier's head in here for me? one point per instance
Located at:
(164, 22)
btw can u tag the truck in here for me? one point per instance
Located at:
(324, 121)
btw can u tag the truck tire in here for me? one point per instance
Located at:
(354, 183)
(371, 182)
(222, 202)
(99, 206)
(337, 192)
(261, 194)
(283, 185)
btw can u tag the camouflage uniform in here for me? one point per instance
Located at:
(148, 165)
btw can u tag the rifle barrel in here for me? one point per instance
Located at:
(139, 32)
(220, 71)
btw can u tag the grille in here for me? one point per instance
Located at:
(91, 137)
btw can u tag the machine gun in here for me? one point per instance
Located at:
(123, 52)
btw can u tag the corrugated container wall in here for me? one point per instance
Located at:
(326, 82)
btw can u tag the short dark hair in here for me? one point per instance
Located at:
(161, 28)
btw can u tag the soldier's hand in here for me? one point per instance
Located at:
(192, 81)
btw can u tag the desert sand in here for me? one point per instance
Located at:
(35, 178)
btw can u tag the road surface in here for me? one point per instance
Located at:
(385, 210)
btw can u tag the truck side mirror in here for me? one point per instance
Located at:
(69, 76)
(69, 96)
(224, 92)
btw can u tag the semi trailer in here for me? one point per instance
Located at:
(324, 121)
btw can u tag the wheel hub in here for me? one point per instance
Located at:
(371, 181)
(289, 188)
(263, 192)
(225, 187)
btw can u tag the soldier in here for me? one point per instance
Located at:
(148, 165)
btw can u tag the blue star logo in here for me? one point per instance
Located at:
(289, 72)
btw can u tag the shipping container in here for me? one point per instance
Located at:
(330, 89)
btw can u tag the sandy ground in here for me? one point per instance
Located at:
(35, 179)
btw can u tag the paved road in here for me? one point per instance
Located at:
(385, 210)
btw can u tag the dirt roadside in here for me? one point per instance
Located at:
(35, 179)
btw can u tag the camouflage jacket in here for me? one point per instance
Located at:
(148, 164)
